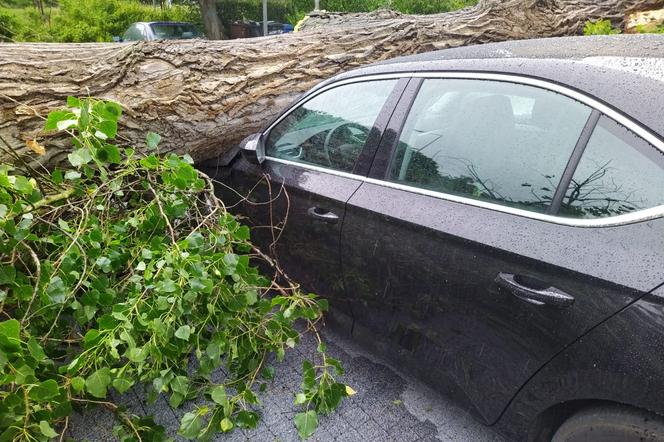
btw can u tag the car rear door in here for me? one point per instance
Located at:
(477, 249)
(316, 154)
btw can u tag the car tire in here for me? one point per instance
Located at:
(611, 424)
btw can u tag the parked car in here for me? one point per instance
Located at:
(250, 29)
(490, 218)
(161, 30)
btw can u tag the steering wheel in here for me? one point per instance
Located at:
(344, 133)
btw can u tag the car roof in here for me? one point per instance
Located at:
(163, 22)
(625, 72)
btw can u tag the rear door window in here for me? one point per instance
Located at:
(493, 141)
(618, 173)
(331, 129)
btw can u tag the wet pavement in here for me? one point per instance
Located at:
(388, 406)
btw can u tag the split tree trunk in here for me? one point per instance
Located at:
(205, 96)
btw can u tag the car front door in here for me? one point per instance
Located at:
(462, 258)
(316, 154)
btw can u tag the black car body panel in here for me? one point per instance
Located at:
(435, 282)
(425, 275)
(618, 361)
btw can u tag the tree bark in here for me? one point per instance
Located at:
(211, 20)
(205, 96)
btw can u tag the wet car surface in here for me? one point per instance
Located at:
(483, 215)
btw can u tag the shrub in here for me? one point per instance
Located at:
(125, 269)
(8, 26)
(600, 27)
(26, 24)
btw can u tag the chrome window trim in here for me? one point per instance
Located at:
(629, 218)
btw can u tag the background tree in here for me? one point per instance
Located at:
(211, 20)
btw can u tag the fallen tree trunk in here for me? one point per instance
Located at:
(204, 96)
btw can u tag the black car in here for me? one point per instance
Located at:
(490, 218)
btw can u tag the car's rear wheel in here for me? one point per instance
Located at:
(611, 424)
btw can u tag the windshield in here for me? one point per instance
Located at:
(174, 31)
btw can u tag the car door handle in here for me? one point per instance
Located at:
(539, 296)
(323, 215)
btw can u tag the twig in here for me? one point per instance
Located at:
(64, 430)
(161, 210)
(35, 289)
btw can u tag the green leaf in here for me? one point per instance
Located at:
(111, 111)
(226, 424)
(246, 419)
(47, 430)
(78, 384)
(80, 157)
(9, 335)
(3, 360)
(121, 384)
(176, 400)
(56, 117)
(338, 368)
(84, 118)
(108, 128)
(44, 391)
(251, 297)
(183, 332)
(56, 290)
(218, 395)
(98, 382)
(190, 425)
(66, 124)
(180, 384)
(152, 140)
(109, 154)
(306, 423)
(36, 350)
(308, 375)
(7, 274)
(136, 354)
(300, 398)
(25, 375)
(150, 162)
(73, 102)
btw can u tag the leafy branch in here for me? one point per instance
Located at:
(128, 271)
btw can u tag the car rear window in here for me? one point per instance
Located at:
(619, 173)
(174, 31)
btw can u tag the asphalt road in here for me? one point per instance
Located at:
(388, 406)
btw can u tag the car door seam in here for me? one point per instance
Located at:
(574, 341)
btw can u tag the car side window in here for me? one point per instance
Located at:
(500, 142)
(618, 173)
(330, 129)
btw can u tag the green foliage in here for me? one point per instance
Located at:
(87, 20)
(600, 27)
(641, 29)
(117, 272)
(8, 26)
(294, 10)
(604, 27)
